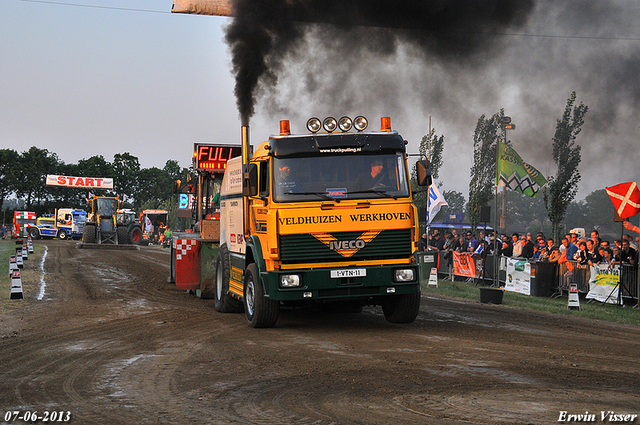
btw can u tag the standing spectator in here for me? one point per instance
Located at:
(581, 255)
(615, 258)
(517, 246)
(595, 237)
(570, 248)
(607, 256)
(437, 241)
(593, 256)
(422, 243)
(629, 238)
(472, 243)
(528, 248)
(507, 248)
(628, 254)
(550, 245)
(3, 231)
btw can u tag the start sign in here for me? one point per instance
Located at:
(80, 182)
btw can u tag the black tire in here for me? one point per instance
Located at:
(34, 233)
(89, 233)
(402, 308)
(123, 235)
(62, 235)
(261, 312)
(224, 302)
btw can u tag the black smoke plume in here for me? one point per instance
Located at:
(263, 32)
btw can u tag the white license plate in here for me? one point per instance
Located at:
(348, 273)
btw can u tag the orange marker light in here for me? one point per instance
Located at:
(385, 124)
(285, 128)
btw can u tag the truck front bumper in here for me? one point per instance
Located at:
(344, 283)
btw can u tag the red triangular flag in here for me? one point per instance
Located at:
(625, 198)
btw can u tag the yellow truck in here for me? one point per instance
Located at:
(322, 217)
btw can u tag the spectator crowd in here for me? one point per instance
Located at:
(571, 247)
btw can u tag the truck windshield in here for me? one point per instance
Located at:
(339, 177)
(79, 218)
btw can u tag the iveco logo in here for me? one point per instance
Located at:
(338, 245)
(349, 247)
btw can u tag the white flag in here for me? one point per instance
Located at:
(436, 201)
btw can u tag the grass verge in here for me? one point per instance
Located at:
(593, 310)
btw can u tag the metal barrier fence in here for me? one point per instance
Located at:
(564, 275)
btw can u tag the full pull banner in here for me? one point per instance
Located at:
(80, 182)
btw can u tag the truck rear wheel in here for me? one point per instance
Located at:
(224, 303)
(402, 308)
(261, 312)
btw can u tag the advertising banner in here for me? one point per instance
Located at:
(467, 264)
(603, 283)
(80, 182)
(518, 276)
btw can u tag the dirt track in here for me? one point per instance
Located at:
(114, 343)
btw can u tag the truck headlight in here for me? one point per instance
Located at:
(290, 280)
(404, 275)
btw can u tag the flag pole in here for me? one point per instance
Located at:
(496, 262)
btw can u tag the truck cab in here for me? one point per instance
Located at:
(70, 222)
(320, 218)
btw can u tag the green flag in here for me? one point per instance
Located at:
(516, 174)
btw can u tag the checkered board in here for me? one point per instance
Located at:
(183, 246)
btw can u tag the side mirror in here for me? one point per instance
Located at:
(250, 180)
(423, 171)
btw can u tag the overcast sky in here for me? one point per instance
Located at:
(99, 77)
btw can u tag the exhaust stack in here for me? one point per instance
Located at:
(245, 177)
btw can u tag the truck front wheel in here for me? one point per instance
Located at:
(62, 234)
(224, 303)
(261, 312)
(34, 233)
(402, 308)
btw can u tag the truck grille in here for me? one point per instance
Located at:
(305, 248)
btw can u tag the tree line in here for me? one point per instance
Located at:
(23, 176)
(553, 212)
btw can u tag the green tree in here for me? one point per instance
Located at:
(35, 164)
(562, 188)
(431, 147)
(9, 166)
(155, 187)
(483, 171)
(456, 203)
(126, 170)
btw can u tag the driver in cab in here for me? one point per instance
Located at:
(376, 178)
(285, 183)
